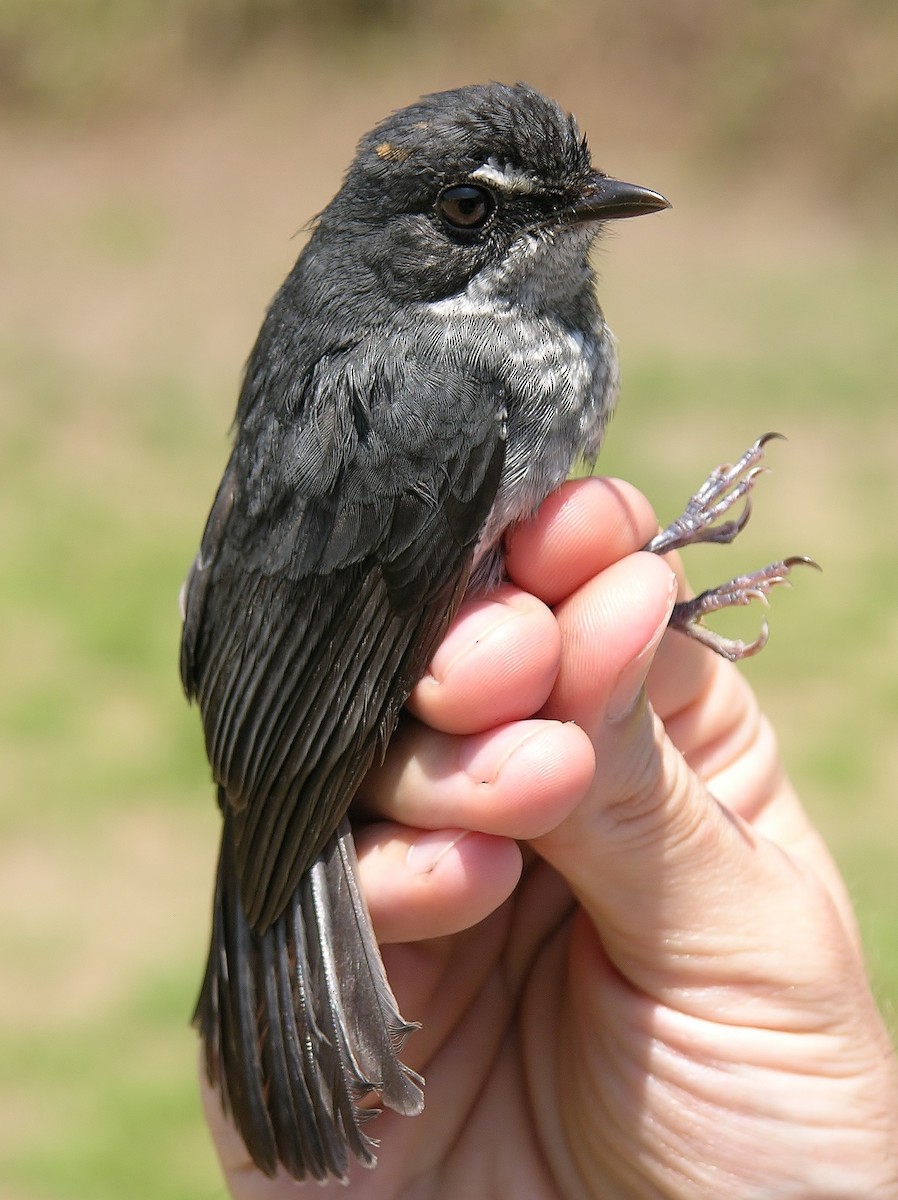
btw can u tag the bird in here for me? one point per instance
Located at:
(433, 367)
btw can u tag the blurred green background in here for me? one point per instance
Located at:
(158, 160)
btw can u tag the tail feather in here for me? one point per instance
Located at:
(233, 1033)
(292, 1116)
(299, 1023)
(380, 1031)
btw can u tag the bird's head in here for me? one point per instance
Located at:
(488, 185)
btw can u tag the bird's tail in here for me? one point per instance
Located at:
(299, 1023)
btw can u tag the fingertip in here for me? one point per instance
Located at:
(579, 531)
(497, 663)
(423, 884)
(611, 628)
(535, 785)
(514, 781)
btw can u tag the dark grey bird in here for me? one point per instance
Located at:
(432, 368)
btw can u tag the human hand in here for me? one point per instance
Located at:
(629, 986)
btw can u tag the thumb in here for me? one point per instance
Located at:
(675, 885)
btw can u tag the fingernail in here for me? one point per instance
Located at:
(424, 854)
(631, 681)
(453, 650)
(478, 627)
(483, 759)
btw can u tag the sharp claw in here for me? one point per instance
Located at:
(742, 520)
(701, 522)
(724, 487)
(758, 644)
(687, 616)
(756, 472)
(769, 437)
(732, 649)
(757, 594)
(801, 560)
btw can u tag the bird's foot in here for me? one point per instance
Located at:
(700, 522)
(687, 614)
(724, 487)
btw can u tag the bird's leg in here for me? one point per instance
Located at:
(724, 487)
(687, 614)
(700, 522)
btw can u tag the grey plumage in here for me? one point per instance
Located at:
(422, 380)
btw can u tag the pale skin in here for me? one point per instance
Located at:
(636, 965)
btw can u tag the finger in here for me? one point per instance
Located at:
(582, 528)
(678, 890)
(497, 663)
(683, 668)
(610, 628)
(423, 884)
(709, 711)
(516, 781)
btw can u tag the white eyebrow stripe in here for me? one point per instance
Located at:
(505, 176)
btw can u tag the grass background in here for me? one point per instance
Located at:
(159, 160)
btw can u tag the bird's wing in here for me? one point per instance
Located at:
(335, 554)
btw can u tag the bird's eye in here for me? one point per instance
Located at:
(465, 207)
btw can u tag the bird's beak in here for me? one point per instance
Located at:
(606, 199)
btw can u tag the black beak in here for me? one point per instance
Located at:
(606, 199)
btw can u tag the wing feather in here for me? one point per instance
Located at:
(311, 613)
